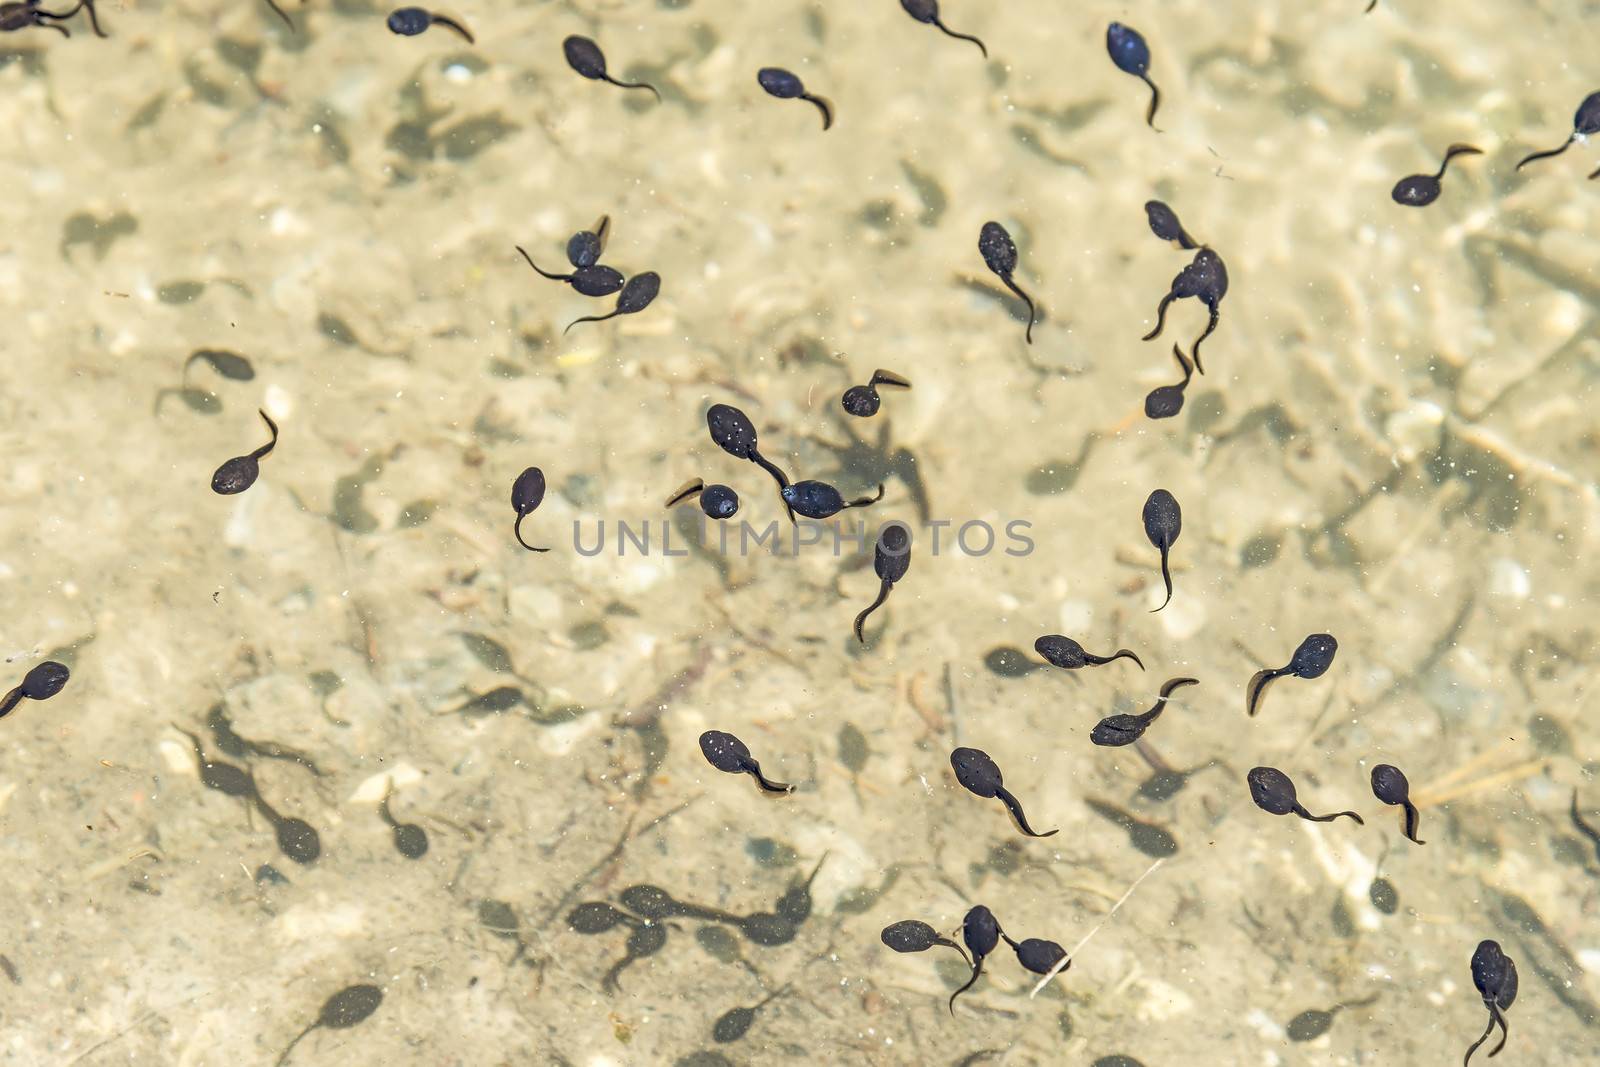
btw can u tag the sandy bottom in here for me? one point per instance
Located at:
(1394, 443)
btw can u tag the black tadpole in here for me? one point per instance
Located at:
(819, 500)
(297, 838)
(1115, 731)
(230, 365)
(891, 558)
(981, 931)
(717, 501)
(43, 681)
(927, 11)
(1585, 123)
(1495, 975)
(1314, 1022)
(734, 433)
(1390, 786)
(1038, 955)
(727, 753)
(527, 493)
(734, 1023)
(1205, 278)
(1165, 401)
(786, 85)
(225, 778)
(1165, 225)
(1067, 654)
(410, 21)
(410, 840)
(1420, 190)
(863, 401)
(1163, 522)
(240, 472)
(585, 57)
(645, 939)
(349, 1007)
(914, 935)
(20, 16)
(1584, 828)
(585, 247)
(636, 295)
(1131, 54)
(1311, 659)
(1274, 794)
(980, 775)
(593, 280)
(999, 254)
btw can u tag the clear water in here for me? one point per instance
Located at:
(1393, 443)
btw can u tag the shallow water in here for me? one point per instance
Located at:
(1392, 443)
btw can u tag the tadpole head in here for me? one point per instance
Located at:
(862, 401)
(584, 56)
(638, 294)
(783, 84)
(731, 430)
(976, 772)
(583, 249)
(909, 935)
(1271, 790)
(719, 501)
(45, 680)
(1587, 118)
(1128, 49)
(1163, 519)
(1061, 651)
(999, 251)
(892, 556)
(1389, 784)
(980, 930)
(527, 492)
(1314, 656)
(724, 751)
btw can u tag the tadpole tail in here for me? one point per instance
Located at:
(1166, 578)
(867, 500)
(633, 85)
(1547, 155)
(535, 266)
(1505, 1030)
(1161, 319)
(1026, 299)
(1172, 685)
(454, 25)
(1155, 102)
(1308, 817)
(516, 531)
(1184, 364)
(767, 784)
(822, 106)
(94, 21)
(977, 972)
(1370, 6)
(285, 1057)
(1121, 653)
(270, 445)
(591, 318)
(1194, 352)
(13, 698)
(947, 943)
(1258, 685)
(883, 594)
(1016, 814)
(1452, 152)
(276, 10)
(689, 490)
(1467, 1059)
(964, 37)
(1412, 816)
(777, 475)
